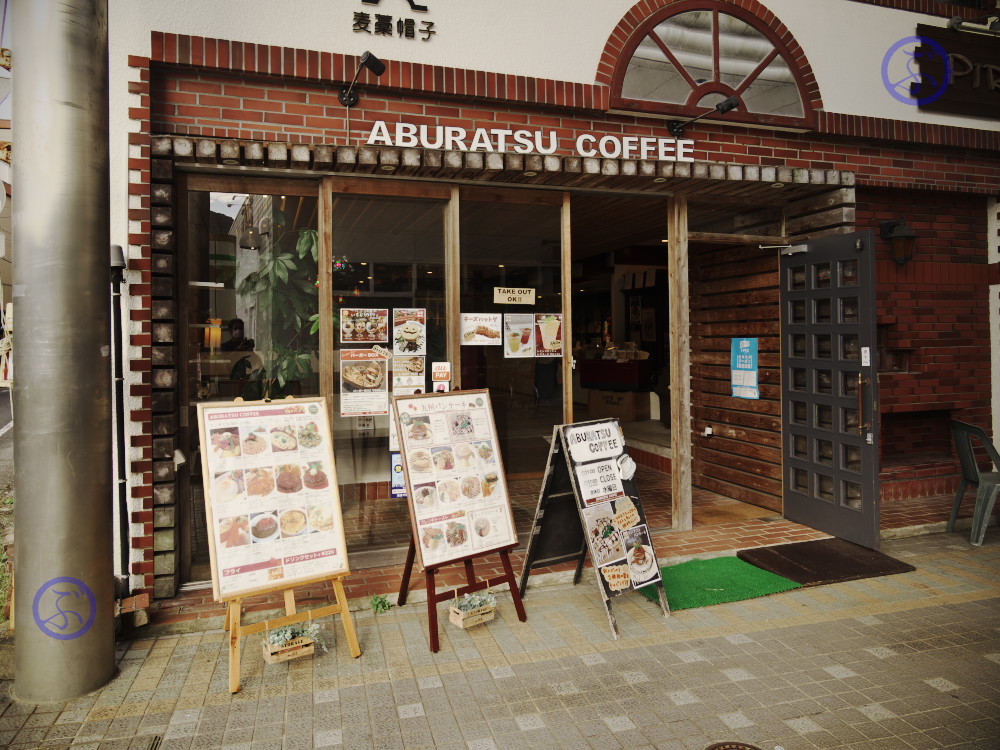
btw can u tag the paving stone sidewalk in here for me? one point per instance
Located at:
(899, 662)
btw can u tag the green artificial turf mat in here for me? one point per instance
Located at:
(701, 583)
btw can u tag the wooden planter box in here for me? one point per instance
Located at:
(468, 618)
(296, 647)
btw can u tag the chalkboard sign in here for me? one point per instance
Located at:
(557, 535)
(609, 518)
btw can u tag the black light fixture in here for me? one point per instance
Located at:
(349, 97)
(676, 127)
(901, 238)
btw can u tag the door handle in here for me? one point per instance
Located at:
(862, 424)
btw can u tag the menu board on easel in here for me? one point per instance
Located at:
(459, 503)
(271, 495)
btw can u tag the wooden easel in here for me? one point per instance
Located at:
(237, 630)
(472, 585)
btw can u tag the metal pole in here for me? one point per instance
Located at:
(63, 563)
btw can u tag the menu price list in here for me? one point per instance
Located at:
(459, 494)
(275, 516)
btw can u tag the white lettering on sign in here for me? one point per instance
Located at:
(503, 140)
(594, 441)
(441, 371)
(503, 295)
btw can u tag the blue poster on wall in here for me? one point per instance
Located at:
(398, 488)
(744, 368)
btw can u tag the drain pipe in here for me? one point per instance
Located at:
(121, 482)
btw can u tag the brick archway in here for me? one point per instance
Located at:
(622, 40)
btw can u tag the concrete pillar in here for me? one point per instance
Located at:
(63, 563)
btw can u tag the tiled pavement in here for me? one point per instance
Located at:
(893, 663)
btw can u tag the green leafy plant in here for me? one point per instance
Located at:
(380, 604)
(475, 601)
(284, 285)
(280, 636)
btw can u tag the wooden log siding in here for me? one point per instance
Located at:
(737, 184)
(734, 293)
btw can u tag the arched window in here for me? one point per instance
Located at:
(690, 56)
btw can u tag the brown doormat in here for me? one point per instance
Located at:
(823, 561)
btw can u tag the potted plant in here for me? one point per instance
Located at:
(284, 285)
(473, 609)
(291, 642)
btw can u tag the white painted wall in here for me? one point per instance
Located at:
(558, 39)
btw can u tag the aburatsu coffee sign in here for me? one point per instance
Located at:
(502, 140)
(973, 86)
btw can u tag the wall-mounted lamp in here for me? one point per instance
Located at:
(349, 97)
(901, 238)
(676, 127)
(989, 25)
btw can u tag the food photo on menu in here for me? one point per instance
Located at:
(293, 522)
(228, 486)
(260, 481)
(309, 436)
(283, 439)
(639, 554)
(364, 325)
(313, 476)
(320, 518)
(444, 458)
(604, 536)
(225, 442)
(425, 497)
(256, 442)
(289, 478)
(419, 431)
(264, 527)
(234, 531)
(449, 491)
(409, 331)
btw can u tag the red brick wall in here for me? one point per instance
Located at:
(935, 307)
(248, 107)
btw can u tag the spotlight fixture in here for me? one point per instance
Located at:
(989, 25)
(349, 97)
(901, 238)
(676, 127)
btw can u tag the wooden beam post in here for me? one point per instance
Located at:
(566, 284)
(327, 331)
(680, 363)
(453, 280)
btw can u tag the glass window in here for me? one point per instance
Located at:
(388, 256)
(515, 245)
(249, 306)
(700, 57)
